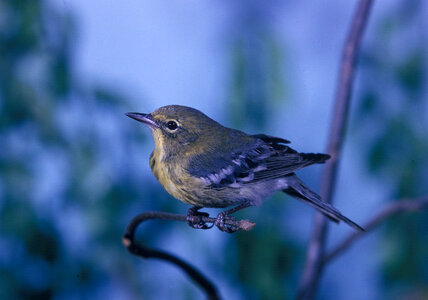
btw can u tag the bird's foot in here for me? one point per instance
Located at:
(221, 221)
(194, 218)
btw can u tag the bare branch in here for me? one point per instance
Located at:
(313, 266)
(146, 252)
(398, 207)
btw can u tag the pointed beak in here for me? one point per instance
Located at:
(143, 118)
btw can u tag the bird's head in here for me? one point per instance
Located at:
(174, 127)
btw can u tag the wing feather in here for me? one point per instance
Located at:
(264, 159)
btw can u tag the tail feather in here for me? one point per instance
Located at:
(300, 191)
(315, 158)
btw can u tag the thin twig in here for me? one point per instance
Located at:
(393, 209)
(313, 266)
(146, 252)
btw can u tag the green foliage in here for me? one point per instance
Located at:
(410, 74)
(256, 82)
(393, 127)
(60, 186)
(265, 259)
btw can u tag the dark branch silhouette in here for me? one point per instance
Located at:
(313, 266)
(146, 252)
(391, 210)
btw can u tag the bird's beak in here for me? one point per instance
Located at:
(143, 118)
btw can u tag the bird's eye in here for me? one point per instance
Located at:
(172, 125)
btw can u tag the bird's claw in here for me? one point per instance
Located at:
(194, 219)
(220, 222)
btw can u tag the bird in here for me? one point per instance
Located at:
(207, 165)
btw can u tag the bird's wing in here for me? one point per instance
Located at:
(271, 139)
(259, 161)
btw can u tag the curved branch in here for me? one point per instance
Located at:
(313, 266)
(390, 211)
(129, 242)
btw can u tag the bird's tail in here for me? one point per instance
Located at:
(300, 191)
(315, 158)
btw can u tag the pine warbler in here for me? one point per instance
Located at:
(204, 164)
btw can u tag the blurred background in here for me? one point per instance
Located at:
(74, 170)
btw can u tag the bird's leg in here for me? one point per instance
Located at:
(194, 218)
(222, 217)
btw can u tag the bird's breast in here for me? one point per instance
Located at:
(173, 176)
